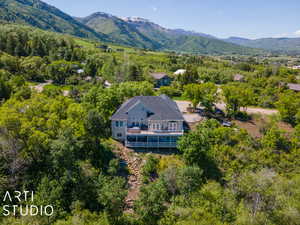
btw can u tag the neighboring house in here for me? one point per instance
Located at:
(239, 78)
(107, 84)
(161, 79)
(88, 78)
(296, 67)
(291, 86)
(148, 122)
(79, 71)
(180, 72)
(294, 87)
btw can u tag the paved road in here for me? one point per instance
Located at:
(252, 110)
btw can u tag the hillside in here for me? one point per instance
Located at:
(287, 45)
(139, 32)
(192, 33)
(39, 14)
(133, 32)
(118, 29)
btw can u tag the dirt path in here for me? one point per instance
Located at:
(134, 163)
(40, 87)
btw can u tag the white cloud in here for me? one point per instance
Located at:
(282, 35)
(288, 35)
(297, 33)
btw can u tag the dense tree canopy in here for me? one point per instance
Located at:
(57, 94)
(205, 94)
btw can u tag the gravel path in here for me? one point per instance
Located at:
(40, 87)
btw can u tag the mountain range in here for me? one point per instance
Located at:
(134, 32)
(139, 32)
(282, 45)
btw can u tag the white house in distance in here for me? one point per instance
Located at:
(148, 122)
(295, 67)
(180, 72)
(294, 87)
(239, 78)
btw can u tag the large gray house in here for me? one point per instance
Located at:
(148, 122)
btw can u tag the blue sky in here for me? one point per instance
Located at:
(222, 18)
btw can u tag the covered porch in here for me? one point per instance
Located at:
(151, 141)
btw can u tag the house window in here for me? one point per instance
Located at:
(136, 124)
(164, 139)
(174, 139)
(142, 139)
(131, 138)
(153, 139)
(119, 135)
(157, 126)
(173, 126)
(119, 123)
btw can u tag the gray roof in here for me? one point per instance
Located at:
(158, 76)
(295, 87)
(161, 107)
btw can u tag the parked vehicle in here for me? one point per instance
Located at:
(226, 124)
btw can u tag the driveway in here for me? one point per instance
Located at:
(251, 110)
(183, 105)
(195, 117)
(188, 117)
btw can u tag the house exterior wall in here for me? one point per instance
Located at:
(165, 129)
(119, 128)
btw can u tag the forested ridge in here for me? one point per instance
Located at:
(146, 34)
(44, 16)
(110, 29)
(56, 140)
